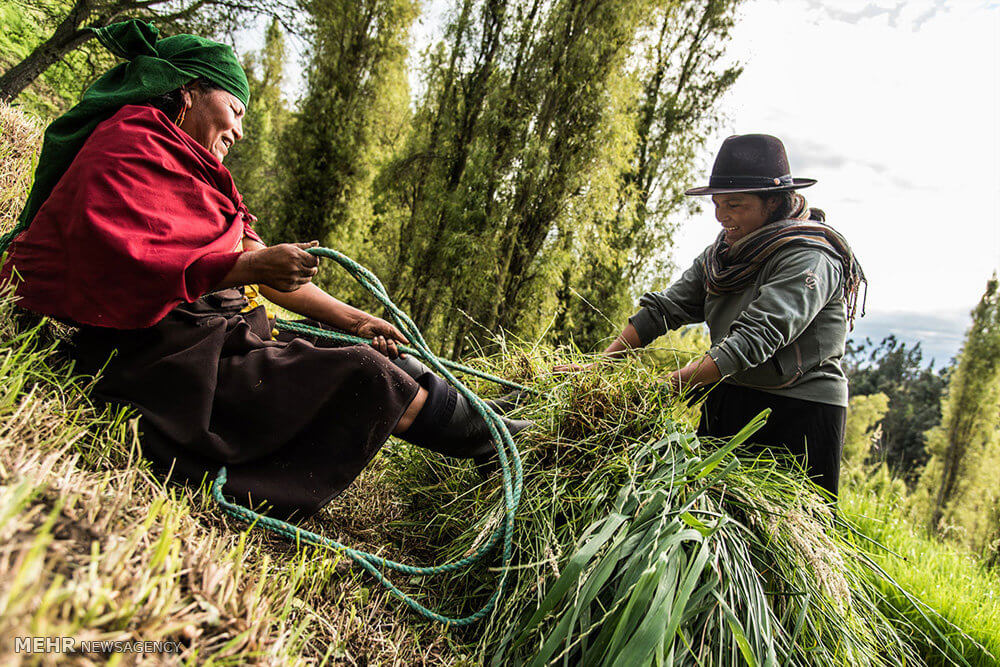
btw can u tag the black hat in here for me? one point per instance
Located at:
(751, 163)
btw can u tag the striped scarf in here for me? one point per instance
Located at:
(730, 268)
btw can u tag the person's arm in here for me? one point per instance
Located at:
(699, 372)
(681, 303)
(623, 343)
(800, 284)
(310, 301)
(285, 267)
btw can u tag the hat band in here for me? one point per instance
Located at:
(748, 181)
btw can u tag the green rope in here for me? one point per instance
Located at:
(298, 327)
(510, 464)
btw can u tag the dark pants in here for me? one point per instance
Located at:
(813, 432)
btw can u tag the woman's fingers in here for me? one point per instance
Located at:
(573, 368)
(380, 344)
(566, 368)
(385, 346)
(398, 335)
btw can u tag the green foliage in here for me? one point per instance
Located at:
(861, 431)
(957, 491)
(673, 88)
(914, 393)
(350, 119)
(254, 160)
(946, 577)
(533, 186)
(25, 26)
(863, 468)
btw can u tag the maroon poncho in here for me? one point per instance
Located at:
(144, 219)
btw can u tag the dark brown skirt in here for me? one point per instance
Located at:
(294, 423)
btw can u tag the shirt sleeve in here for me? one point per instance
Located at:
(204, 274)
(800, 284)
(681, 303)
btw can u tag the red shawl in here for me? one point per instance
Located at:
(144, 219)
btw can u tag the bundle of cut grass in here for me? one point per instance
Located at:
(641, 545)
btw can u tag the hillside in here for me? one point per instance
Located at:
(633, 542)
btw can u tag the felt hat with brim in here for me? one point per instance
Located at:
(751, 163)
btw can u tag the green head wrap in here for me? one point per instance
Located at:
(154, 67)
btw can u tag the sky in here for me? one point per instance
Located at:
(894, 108)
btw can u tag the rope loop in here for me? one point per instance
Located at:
(510, 463)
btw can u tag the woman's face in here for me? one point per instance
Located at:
(213, 118)
(742, 213)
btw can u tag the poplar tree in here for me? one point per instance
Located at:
(349, 119)
(253, 161)
(437, 181)
(968, 434)
(522, 169)
(680, 77)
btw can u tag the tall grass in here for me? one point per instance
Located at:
(947, 577)
(20, 141)
(640, 545)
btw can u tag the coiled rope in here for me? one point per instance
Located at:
(510, 465)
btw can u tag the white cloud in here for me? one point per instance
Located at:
(897, 118)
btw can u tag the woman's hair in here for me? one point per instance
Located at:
(170, 103)
(786, 204)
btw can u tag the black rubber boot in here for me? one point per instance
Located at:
(507, 403)
(466, 426)
(510, 401)
(449, 424)
(412, 366)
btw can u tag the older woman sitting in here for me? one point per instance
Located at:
(135, 233)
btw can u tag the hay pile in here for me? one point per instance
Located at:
(640, 545)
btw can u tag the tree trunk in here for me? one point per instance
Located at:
(66, 37)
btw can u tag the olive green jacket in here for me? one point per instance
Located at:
(784, 334)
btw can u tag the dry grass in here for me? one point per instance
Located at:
(20, 141)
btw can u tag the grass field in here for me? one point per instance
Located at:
(951, 581)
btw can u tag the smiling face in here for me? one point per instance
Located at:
(213, 118)
(742, 213)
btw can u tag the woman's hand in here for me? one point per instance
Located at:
(383, 334)
(285, 267)
(698, 373)
(672, 383)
